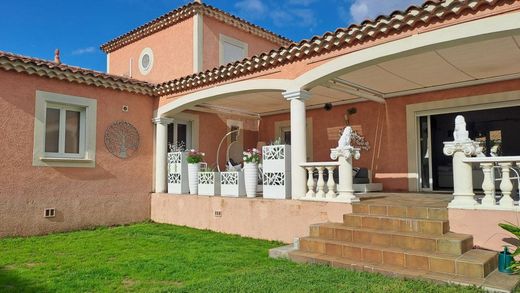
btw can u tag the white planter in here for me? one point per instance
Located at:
(232, 184)
(193, 177)
(276, 158)
(209, 183)
(178, 173)
(250, 178)
(276, 166)
(277, 185)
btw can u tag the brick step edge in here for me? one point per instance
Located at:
(433, 227)
(449, 243)
(494, 282)
(411, 212)
(474, 263)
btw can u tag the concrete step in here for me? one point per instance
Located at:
(449, 243)
(385, 223)
(400, 211)
(475, 263)
(495, 281)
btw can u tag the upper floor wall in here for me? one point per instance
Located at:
(198, 37)
(169, 51)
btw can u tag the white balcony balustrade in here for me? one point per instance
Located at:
(503, 170)
(321, 190)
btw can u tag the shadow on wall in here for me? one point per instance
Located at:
(10, 281)
(97, 173)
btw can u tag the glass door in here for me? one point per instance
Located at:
(179, 133)
(425, 154)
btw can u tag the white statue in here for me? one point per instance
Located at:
(460, 134)
(344, 140)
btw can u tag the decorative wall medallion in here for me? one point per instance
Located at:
(122, 139)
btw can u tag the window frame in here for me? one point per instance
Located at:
(142, 69)
(87, 139)
(232, 41)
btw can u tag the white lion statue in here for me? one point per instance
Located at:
(345, 139)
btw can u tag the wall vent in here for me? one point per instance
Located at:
(218, 214)
(49, 213)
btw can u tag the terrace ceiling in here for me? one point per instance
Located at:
(476, 62)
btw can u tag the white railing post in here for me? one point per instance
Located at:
(461, 148)
(310, 183)
(345, 186)
(331, 185)
(488, 185)
(506, 186)
(321, 183)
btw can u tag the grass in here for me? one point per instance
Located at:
(151, 257)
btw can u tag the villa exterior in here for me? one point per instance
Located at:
(398, 80)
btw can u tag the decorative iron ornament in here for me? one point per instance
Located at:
(122, 139)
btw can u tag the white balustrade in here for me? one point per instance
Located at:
(320, 190)
(491, 167)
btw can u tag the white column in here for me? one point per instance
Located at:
(488, 185)
(506, 186)
(298, 141)
(463, 196)
(161, 152)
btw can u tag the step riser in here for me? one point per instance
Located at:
(408, 260)
(449, 246)
(433, 227)
(428, 213)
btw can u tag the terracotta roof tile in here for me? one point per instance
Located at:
(45, 68)
(183, 13)
(411, 18)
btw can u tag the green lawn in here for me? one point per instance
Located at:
(163, 258)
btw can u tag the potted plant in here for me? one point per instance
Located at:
(251, 160)
(194, 158)
(208, 181)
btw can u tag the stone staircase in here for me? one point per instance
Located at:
(402, 238)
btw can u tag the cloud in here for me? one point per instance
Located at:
(253, 8)
(82, 51)
(301, 2)
(360, 10)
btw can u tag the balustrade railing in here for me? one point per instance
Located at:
(506, 171)
(321, 190)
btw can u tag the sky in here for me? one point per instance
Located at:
(78, 27)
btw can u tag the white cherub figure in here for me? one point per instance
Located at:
(460, 134)
(346, 136)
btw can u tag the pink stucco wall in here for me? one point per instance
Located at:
(281, 220)
(114, 192)
(172, 49)
(483, 225)
(212, 30)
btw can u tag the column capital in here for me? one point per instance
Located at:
(162, 120)
(296, 94)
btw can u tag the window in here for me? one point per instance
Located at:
(179, 133)
(64, 131)
(231, 50)
(146, 61)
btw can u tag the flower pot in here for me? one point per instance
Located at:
(250, 178)
(193, 177)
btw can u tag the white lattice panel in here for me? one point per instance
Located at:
(276, 158)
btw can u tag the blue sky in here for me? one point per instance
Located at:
(36, 27)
